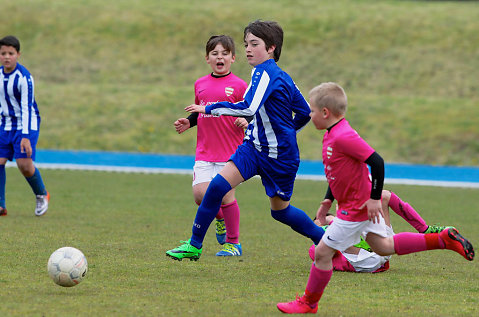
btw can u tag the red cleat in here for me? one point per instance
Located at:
(455, 242)
(3, 211)
(298, 306)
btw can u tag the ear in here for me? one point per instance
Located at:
(325, 112)
(233, 58)
(271, 49)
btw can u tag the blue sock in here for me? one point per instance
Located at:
(299, 221)
(3, 180)
(210, 205)
(36, 183)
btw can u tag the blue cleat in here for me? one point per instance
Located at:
(230, 249)
(220, 231)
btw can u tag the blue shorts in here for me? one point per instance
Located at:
(10, 144)
(277, 176)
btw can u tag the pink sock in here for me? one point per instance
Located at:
(409, 242)
(406, 211)
(219, 215)
(317, 282)
(231, 213)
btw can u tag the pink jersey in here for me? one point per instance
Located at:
(217, 136)
(344, 156)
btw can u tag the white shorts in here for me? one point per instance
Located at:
(204, 171)
(366, 261)
(342, 234)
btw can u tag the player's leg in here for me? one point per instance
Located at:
(34, 179)
(319, 277)
(30, 172)
(278, 181)
(340, 235)
(296, 218)
(3, 180)
(409, 242)
(231, 213)
(203, 173)
(408, 213)
(6, 153)
(221, 184)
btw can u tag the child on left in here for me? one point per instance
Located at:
(218, 137)
(20, 123)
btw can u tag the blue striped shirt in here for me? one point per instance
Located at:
(17, 100)
(279, 111)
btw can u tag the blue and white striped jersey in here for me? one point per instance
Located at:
(17, 100)
(279, 111)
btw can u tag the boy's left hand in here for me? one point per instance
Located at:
(195, 108)
(26, 147)
(374, 209)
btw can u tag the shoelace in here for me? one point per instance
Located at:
(40, 201)
(183, 243)
(299, 299)
(220, 227)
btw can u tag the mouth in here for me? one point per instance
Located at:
(220, 64)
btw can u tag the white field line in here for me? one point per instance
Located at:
(151, 170)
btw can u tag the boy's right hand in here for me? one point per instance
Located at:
(181, 125)
(374, 209)
(323, 210)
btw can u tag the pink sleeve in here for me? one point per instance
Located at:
(354, 146)
(197, 101)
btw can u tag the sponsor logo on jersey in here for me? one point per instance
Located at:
(229, 91)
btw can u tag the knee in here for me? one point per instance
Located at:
(26, 170)
(383, 247)
(218, 188)
(386, 196)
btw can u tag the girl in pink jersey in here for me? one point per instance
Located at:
(217, 137)
(345, 158)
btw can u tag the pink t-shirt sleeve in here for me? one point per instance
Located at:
(354, 146)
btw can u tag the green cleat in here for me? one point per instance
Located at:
(363, 245)
(436, 229)
(186, 250)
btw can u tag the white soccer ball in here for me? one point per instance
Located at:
(67, 266)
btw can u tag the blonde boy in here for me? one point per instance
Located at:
(346, 157)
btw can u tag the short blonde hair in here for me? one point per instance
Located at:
(329, 95)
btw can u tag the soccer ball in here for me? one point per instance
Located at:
(67, 266)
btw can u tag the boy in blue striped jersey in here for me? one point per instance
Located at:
(20, 123)
(269, 150)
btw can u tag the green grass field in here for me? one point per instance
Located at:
(124, 70)
(114, 75)
(124, 223)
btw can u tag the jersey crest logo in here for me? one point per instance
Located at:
(329, 152)
(229, 91)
